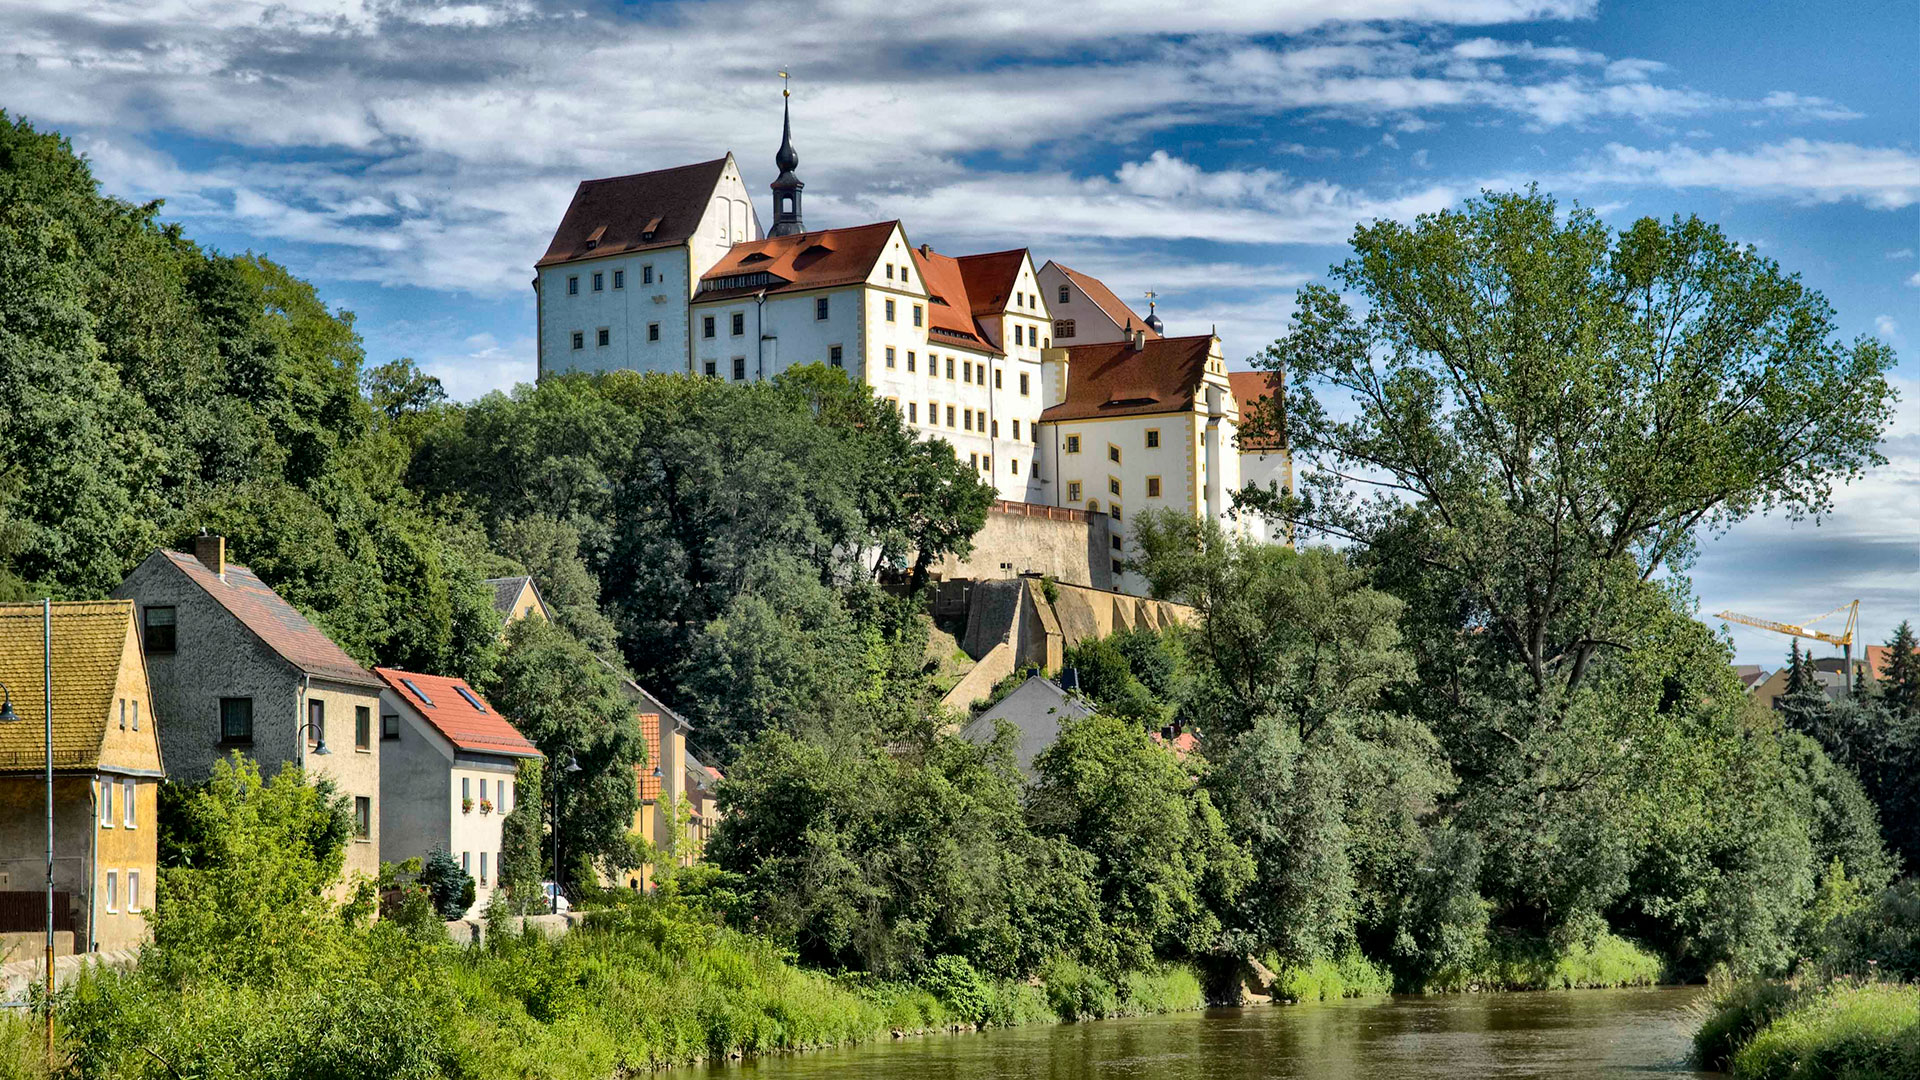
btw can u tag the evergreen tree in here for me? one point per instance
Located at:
(1901, 678)
(1797, 671)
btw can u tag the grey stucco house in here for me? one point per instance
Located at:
(235, 668)
(1036, 709)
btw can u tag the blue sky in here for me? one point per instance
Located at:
(412, 158)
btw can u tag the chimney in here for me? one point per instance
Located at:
(212, 553)
(1139, 340)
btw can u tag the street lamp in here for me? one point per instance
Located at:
(572, 766)
(8, 716)
(312, 730)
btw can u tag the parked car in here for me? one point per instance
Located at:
(550, 893)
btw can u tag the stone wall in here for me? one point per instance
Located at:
(1028, 538)
(1038, 631)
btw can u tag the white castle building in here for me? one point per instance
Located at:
(1042, 379)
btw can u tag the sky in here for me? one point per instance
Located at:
(413, 158)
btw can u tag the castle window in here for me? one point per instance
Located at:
(646, 274)
(602, 337)
(1113, 511)
(739, 323)
(1073, 491)
(1016, 465)
(599, 281)
(889, 278)
(1153, 438)
(889, 299)
(889, 356)
(1093, 506)
(996, 429)
(996, 378)
(706, 326)
(1113, 453)
(913, 412)
(579, 339)
(1113, 486)
(975, 460)
(653, 331)
(739, 369)
(949, 367)
(1063, 328)
(1153, 487)
(966, 419)
(1023, 384)
(1064, 294)
(909, 359)
(916, 314)
(712, 369)
(833, 355)
(966, 371)
(1117, 568)
(949, 416)
(1016, 428)
(819, 308)
(619, 279)
(1019, 334)
(986, 464)
(1073, 444)
(573, 285)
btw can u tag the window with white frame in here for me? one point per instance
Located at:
(133, 890)
(113, 890)
(126, 803)
(106, 803)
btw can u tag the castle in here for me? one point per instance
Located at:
(1052, 388)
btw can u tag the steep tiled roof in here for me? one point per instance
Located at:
(274, 621)
(989, 279)
(1096, 290)
(810, 260)
(89, 641)
(1113, 379)
(950, 311)
(1248, 388)
(615, 214)
(465, 725)
(505, 591)
(648, 771)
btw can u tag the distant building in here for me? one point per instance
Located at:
(1828, 671)
(1265, 461)
(518, 597)
(1036, 709)
(677, 803)
(447, 774)
(235, 668)
(107, 769)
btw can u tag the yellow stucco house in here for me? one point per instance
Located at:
(106, 771)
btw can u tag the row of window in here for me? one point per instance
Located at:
(128, 800)
(974, 420)
(124, 702)
(919, 312)
(969, 371)
(236, 723)
(1113, 452)
(1093, 505)
(603, 336)
(504, 788)
(466, 863)
(113, 892)
(599, 280)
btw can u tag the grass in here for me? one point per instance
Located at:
(22, 1056)
(1351, 976)
(1077, 992)
(1512, 962)
(1844, 1031)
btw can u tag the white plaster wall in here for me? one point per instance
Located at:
(1265, 470)
(796, 337)
(729, 219)
(625, 312)
(421, 785)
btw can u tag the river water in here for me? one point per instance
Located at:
(1563, 1035)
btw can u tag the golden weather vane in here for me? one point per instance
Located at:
(784, 90)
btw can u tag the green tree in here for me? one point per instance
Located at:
(1164, 860)
(1901, 676)
(569, 704)
(521, 832)
(450, 888)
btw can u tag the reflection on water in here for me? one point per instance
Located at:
(1567, 1035)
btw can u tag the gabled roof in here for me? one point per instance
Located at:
(507, 590)
(989, 279)
(1249, 387)
(950, 311)
(810, 260)
(1096, 290)
(89, 644)
(1036, 708)
(465, 724)
(1113, 379)
(634, 213)
(273, 621)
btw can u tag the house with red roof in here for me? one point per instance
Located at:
(235, 668)
(447, 778)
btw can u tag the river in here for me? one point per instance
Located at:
(1563, 1035)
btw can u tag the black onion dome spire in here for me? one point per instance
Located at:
(786, 186)
(1152, 320)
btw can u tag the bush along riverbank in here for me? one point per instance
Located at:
(1852, 1010)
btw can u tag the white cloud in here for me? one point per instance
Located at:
(1902, 253)
(1884, 178)
(1885, 327)
(1804, 107)
(1914, 280)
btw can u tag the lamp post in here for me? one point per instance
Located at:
(572, 766)
(8, 716)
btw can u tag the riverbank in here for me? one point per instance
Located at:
(1778, 1031)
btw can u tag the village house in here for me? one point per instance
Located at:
(516, 598)
(107, 767)
(447, 771)
(235, 668)
(677, 804)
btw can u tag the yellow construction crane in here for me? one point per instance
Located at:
(1843, 639)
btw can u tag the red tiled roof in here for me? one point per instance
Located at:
(469, 728)
(274, 621)
(648, 772)
(1096, 290)
(1249, 387)
(811, 260)
(950, 311)
(1112, 379)
(989, 278)
(617, 212)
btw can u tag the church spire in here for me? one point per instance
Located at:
(786, 186)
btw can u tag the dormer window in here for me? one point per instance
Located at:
(593, 238)
(755, 257)
(653, 226)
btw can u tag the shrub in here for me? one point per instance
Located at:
(450, 887)
(955, 982)
(1734, 1015)
(1351, 975)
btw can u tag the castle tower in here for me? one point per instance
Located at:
(786, 186)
